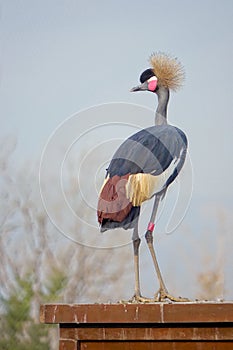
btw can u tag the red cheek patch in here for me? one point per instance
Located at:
(152, 85)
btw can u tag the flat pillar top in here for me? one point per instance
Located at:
(189, 312)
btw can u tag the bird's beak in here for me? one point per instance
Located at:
(141, 87)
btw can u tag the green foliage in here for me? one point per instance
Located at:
(54, 286)
(19, 331)
(18, 305)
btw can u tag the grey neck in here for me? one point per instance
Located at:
(161, 111)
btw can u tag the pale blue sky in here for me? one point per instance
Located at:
(59, 57)
(62, 56)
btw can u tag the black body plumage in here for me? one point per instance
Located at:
(150, 151)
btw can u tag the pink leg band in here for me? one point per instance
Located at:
(151, 226)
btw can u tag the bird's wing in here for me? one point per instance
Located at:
(148, 162)
(149, 151)
(152, 157)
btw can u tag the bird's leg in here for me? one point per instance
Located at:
(136, 243)
(162, 293)
(149, 240)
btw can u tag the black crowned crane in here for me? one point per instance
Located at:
(144, 166)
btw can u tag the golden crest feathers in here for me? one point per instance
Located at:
(168, 70)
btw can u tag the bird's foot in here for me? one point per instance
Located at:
(136, 299)
(140, 299)
(160, 296)
(163, 296)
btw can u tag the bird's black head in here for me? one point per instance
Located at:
(147, 74)
(148, 81)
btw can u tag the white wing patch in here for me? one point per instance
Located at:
(141, 187)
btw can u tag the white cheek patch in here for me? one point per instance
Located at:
(152, 78)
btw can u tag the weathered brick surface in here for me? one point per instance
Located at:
(67, 344)
(137, 313)
(142, 326)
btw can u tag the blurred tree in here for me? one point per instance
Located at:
(18, 331)
(210, 285)
(211, 280)
(38, 264)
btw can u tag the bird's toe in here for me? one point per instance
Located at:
(164, 296)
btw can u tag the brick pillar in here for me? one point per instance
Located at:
(159, 326)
